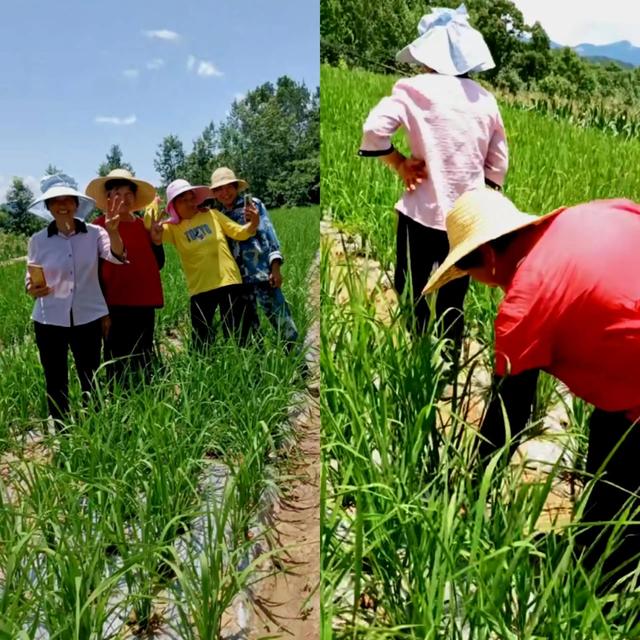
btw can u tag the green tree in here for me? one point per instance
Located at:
(52, 170)
(503, 28)
(271, 138)
(199, 164)
(18, 199)
(114, 161)
(170, 159)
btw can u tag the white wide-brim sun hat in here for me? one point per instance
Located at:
(478, 216)
(448, 44)
(60, 185)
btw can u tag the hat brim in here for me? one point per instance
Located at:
(145, 192)
(202, 193)
(437, 51)
(243, 185)
(39, 208)
(448, 270)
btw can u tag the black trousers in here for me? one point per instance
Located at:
(419, 251)
(237, 313)
(53, 343)
(619, 481)
(129, 342)
(618, 478)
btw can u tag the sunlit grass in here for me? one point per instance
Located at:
(413, 547)
(91, 521)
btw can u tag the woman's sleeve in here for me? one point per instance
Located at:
(496, 163)
(158, 254)
(381, 123)
(273, 246)
(167, 235)
(104, 248)
(232, 229)
(524, 329)
(31, 258)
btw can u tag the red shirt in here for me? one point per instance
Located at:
(137, 284)
(573, 305)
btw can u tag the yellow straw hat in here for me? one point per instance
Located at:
(144, 195)
(477, 217)
(223, 176)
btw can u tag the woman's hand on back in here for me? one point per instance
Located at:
(412, 171)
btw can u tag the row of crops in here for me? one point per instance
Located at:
(139, 518)
(412, 547)
(617, 120)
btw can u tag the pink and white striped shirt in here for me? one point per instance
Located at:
(455, 126)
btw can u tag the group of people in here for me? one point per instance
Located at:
(98, 284)
(571, 303)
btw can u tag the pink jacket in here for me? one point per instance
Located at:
(455, 126)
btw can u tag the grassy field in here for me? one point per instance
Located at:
(89, 522)
(410, 548)
(12, 246)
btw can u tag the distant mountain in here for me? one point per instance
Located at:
(605, 60)
(622, 51)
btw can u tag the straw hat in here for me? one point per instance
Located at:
(223, 176)
(477, 217)
(144, 195)
(448, 44)
(60, 185)
(179, 186)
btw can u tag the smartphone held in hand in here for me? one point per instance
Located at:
(248, 200)
(36, 273)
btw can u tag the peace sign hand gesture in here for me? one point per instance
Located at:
(112, 214)
(158, 218)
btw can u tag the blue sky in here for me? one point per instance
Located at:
(78, 76)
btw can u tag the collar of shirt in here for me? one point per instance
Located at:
(80, 227)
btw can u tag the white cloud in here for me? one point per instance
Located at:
(239, 97)
(206, 68)
(115, 120)
(203, 68)
(156, 63)
(131, 73)
(163, 34)
(6, 181)
(572, 22)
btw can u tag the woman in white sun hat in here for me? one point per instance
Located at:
(571, 307)
(213, 277)
(62, 277)
(133, 291)
(457, 142)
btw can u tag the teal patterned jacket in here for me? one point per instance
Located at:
(255, 255)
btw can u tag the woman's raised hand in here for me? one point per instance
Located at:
(252, 216)
(158, 218)
(112, 214)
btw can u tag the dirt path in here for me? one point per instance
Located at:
(287, 604)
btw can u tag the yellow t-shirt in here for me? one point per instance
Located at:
(204, 251)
